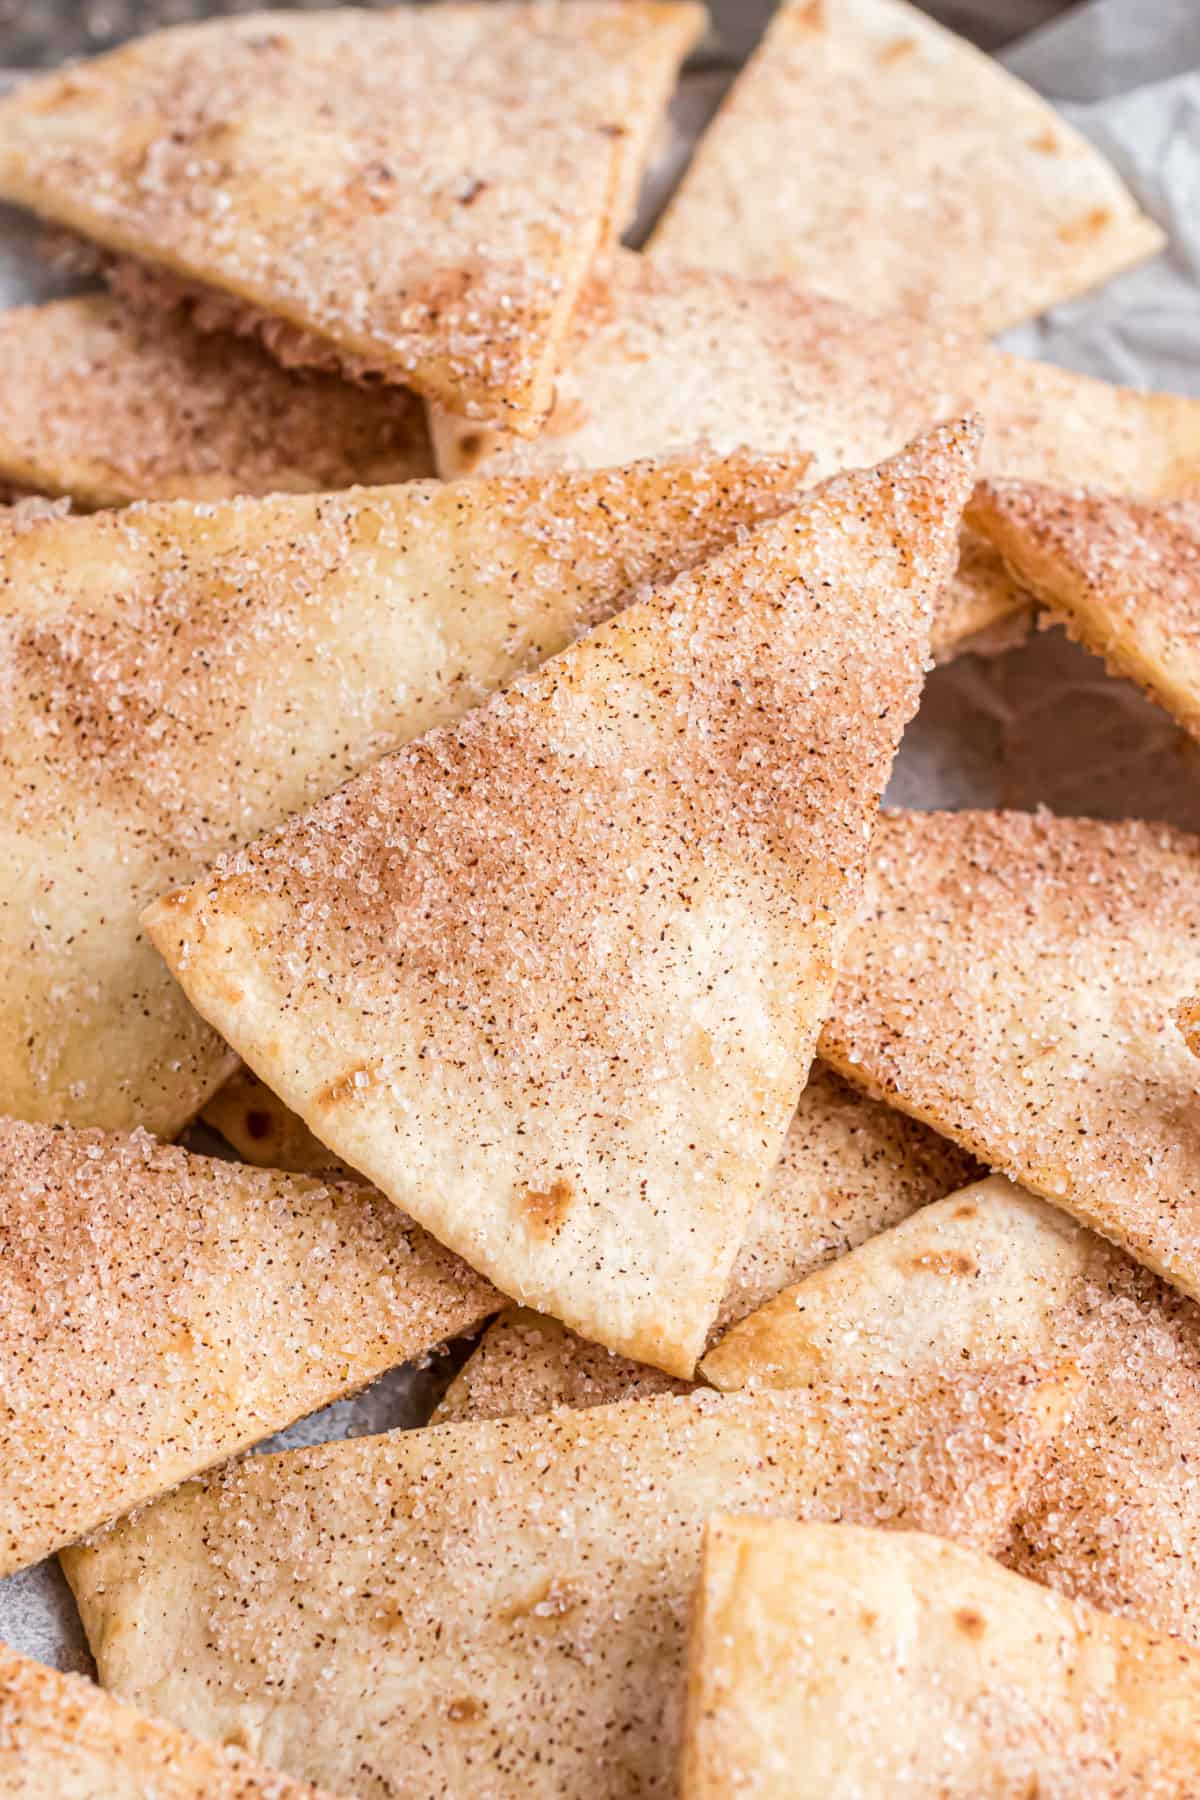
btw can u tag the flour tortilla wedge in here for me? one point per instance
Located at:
(160, 1312)
(61, 1738)
(849, 1169)
(551, 978)
(990, 1276)
(298, 638)
(418, 194)
(685, 357)
(828, 1662)
(868, 153)
(1012, 983)
(498, 1607)
(1122, 574)
(109, 405)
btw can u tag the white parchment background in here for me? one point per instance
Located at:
(1040, 725)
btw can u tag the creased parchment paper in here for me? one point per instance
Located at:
(1042, 724)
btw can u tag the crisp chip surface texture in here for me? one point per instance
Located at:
(837, 1663)
(870, 154)
(551, 978)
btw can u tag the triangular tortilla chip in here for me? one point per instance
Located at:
(1123, 575)
(176, 680)
(828, 1661)
(109, 405)
(160, 1312)
(419, 193)
(849, 1169)
(499, 1607)
(1012, 983)
(990, 1276)
(552, 978)
(61, 1738)
(869, 153)
(685, 357)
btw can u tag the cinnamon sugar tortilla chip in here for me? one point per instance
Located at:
(685, 357)
(990, 1276)
(869, 154)
(177, 679)
(551, 979)
(1123, 575)
(160, 1312)
(499, 1607)
(109, 405)
(1012, 982)
(849, 1169)
(419, 193)
(827, 1660)
(61, 1738)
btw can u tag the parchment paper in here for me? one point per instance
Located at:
(1042, 724)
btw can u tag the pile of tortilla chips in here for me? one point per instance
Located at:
(450, 669)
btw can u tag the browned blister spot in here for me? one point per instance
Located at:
(970, 1622)
(1098, 219)
(897, 50)
(545, 1210)
(464, 1709)
(344, 1087)
(1046, 141)
(554, 1599)
(945, 1262)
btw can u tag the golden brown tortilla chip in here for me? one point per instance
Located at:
(109, 405)
(419, 193)
(991, 1276)
(1012, 982)
(62, 1739)
(177, 679)
(499, 1607)
(849, 1169)
(160, 1312)
(551, 978)
(873, 156)
(1123, 575)
(829, 1661)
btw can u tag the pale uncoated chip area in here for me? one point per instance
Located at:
(500, 1607)
(420, 192)
(552, 978)
(161, 1311)
(108, 405)
(990, 1276)
(179, 679)
(833, 1663)
(849, 1168)
(1012, 982)
(1124, 576)
(875, 157)
(61, 1738)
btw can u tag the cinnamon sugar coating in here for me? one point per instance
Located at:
(175, 679)
(1012, 982)
(992, 1275)
(61, 1738)
(108, 405)
(683, 357)
(1123, 575)
(849, 1169)
(161, 1311)
(500, 1606)
(828, 1660)
(422, 191)
(875, 156)
(551, 978)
